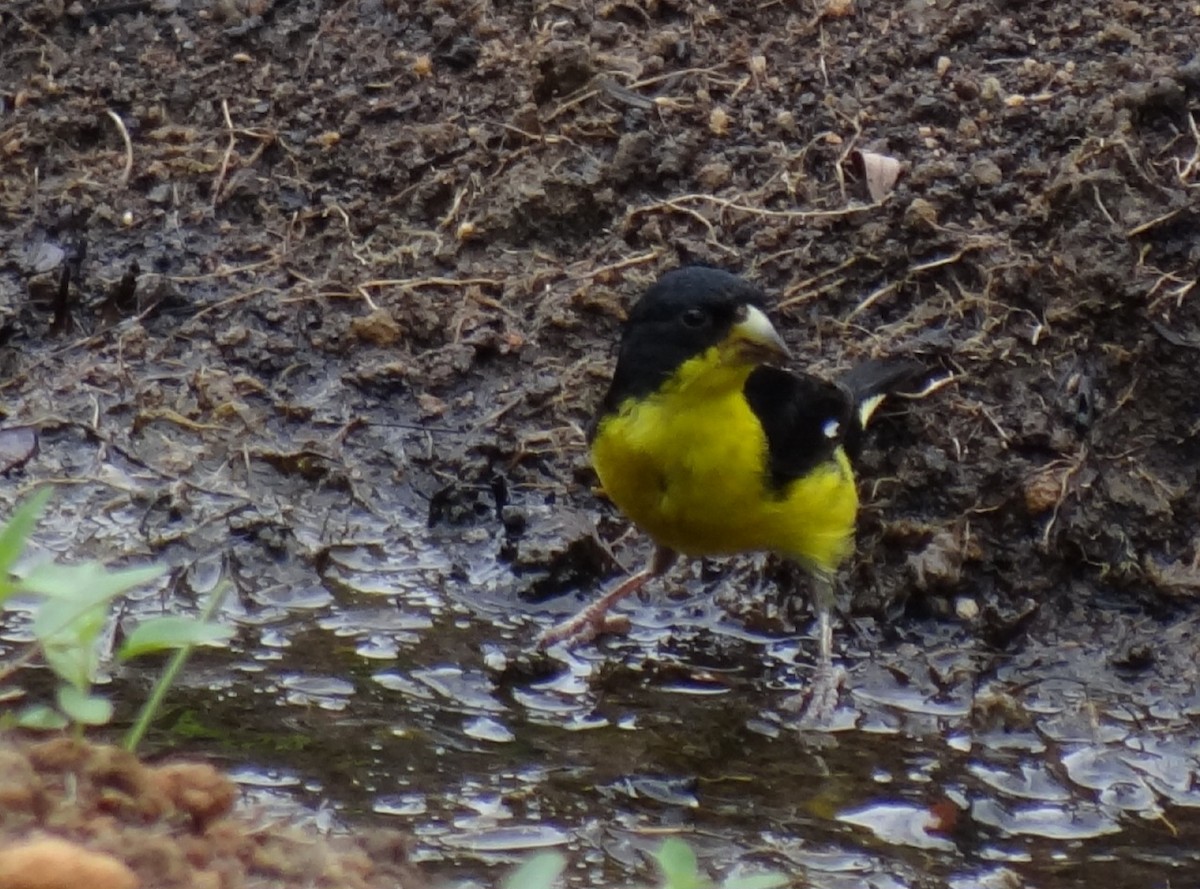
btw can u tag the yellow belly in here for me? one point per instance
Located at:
(690, 473)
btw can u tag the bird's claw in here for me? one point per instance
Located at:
(816, 706)
(596, 619)
(583, 628)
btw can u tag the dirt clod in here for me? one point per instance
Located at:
(52, 863)
(379, 328)
(78, 815)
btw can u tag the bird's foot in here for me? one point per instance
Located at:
(583, 627)
(816, 706)
(595, 619)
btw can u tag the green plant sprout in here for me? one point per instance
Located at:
(72, 605)
(676, 861)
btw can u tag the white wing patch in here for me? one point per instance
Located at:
(831, 429)
(867, 407)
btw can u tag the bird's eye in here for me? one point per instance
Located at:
(695, 318)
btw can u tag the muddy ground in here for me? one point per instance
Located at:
(319, 298)
(169, 825)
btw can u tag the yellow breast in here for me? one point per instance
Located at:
(688, 466)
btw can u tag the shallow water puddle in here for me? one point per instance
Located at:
(390, 689)
(442, 723)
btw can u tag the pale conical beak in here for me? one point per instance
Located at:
(756, 339)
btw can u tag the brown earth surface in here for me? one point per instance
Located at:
(289, 290)
(78, 816)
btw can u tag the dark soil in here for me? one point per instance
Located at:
(294, 290)
(76, 815)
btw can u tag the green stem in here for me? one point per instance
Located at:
(167, 679)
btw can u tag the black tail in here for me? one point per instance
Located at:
(869, 384)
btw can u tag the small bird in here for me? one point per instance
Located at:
(711, 449)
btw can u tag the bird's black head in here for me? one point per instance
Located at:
(685, 313)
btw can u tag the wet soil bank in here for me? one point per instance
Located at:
(318, 298)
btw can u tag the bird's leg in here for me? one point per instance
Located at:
(594, 619)
(822, 698)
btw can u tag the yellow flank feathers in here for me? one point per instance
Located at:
(688, 465)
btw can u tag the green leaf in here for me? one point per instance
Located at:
(61, 624)
(678, 864)
(166, 633)
(539, 872)
(89, 578)
(41, 718)
(770, 880)
(70, 618)
(158, 693)
(15, 534)
(84, 708)
(72, 661)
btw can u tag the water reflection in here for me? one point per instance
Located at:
(389, 692)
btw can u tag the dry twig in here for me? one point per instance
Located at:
(128, 170)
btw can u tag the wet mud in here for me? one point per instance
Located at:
(318, 299)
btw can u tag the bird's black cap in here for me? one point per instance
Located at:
(691, 287)
(685, 312)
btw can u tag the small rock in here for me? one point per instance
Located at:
(53, 863)
(920, 214)
(379, 328)
(196, 788)
(718, 121)
(986, 173)
(939, 564)
(714, 175)
(1044, 490)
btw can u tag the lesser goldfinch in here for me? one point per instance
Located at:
(710, 448)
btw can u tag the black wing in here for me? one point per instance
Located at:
(805, 419)
(867, 383)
